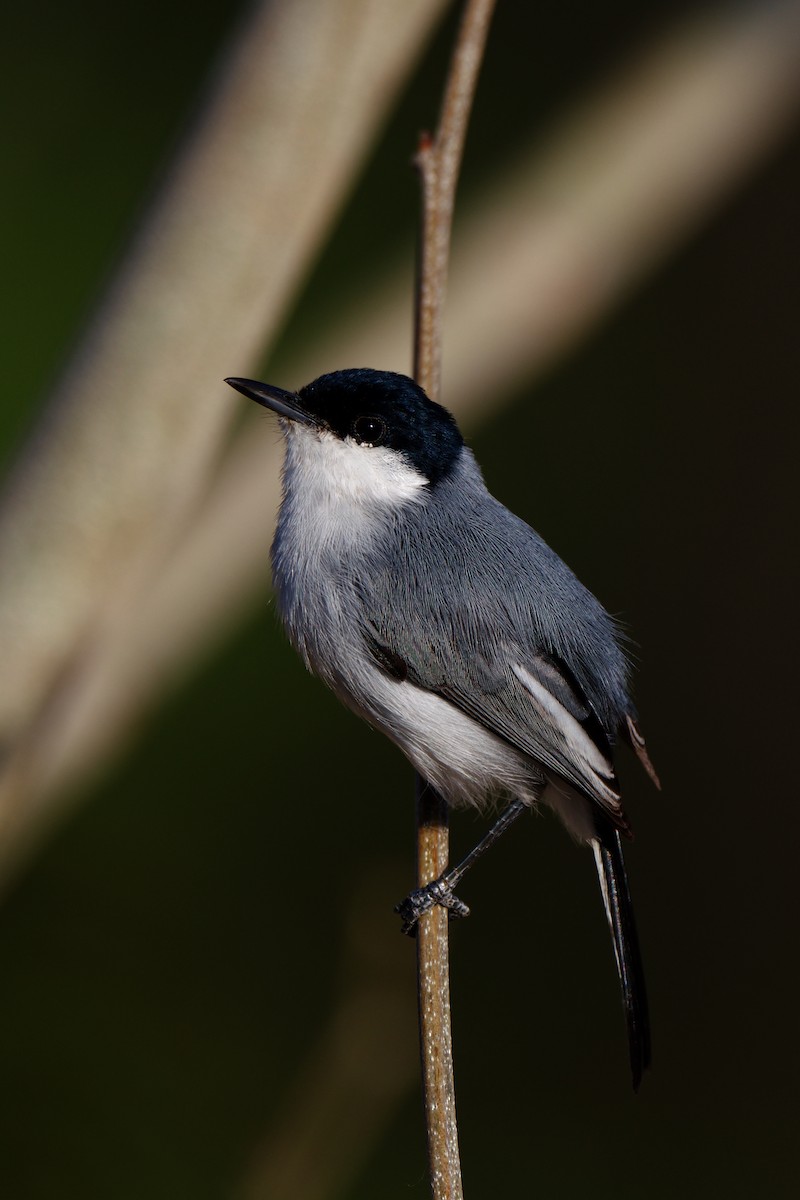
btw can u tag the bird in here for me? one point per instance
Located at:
(448, 623)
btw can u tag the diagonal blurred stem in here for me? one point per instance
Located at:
(112, 475)
(354, 1075)
(556, 241)
(439, 162)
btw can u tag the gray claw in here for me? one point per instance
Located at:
(438, 891)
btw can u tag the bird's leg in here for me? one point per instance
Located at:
(441, 890)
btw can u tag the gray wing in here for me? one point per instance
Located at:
(466, 600)
(524, 697)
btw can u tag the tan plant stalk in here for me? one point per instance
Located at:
(439, 162)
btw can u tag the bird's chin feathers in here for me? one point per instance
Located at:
(334, 476)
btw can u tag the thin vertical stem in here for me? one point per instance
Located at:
(433, 985)
(438, 161)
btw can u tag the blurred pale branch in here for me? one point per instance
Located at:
(554, 243)
(355, 1076)
(98, 498)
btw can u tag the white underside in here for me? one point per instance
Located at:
(465, 762)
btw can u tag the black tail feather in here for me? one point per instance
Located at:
(619, 910)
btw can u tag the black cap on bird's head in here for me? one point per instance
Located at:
(372, 408)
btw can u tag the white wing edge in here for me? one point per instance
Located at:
(589, 760)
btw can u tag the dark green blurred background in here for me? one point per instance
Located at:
(170, 956)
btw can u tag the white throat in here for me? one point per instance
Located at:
(340, 471)
(338, 489)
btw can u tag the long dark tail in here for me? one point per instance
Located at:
(619, 910)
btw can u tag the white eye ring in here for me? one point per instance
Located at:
(369, 431)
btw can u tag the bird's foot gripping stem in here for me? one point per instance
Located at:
(440, 891)
(421, 900)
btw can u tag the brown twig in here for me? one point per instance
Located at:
(438, 161)
(433, 989)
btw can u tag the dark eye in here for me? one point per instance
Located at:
(369, 431)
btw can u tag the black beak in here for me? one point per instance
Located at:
(286, 404)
